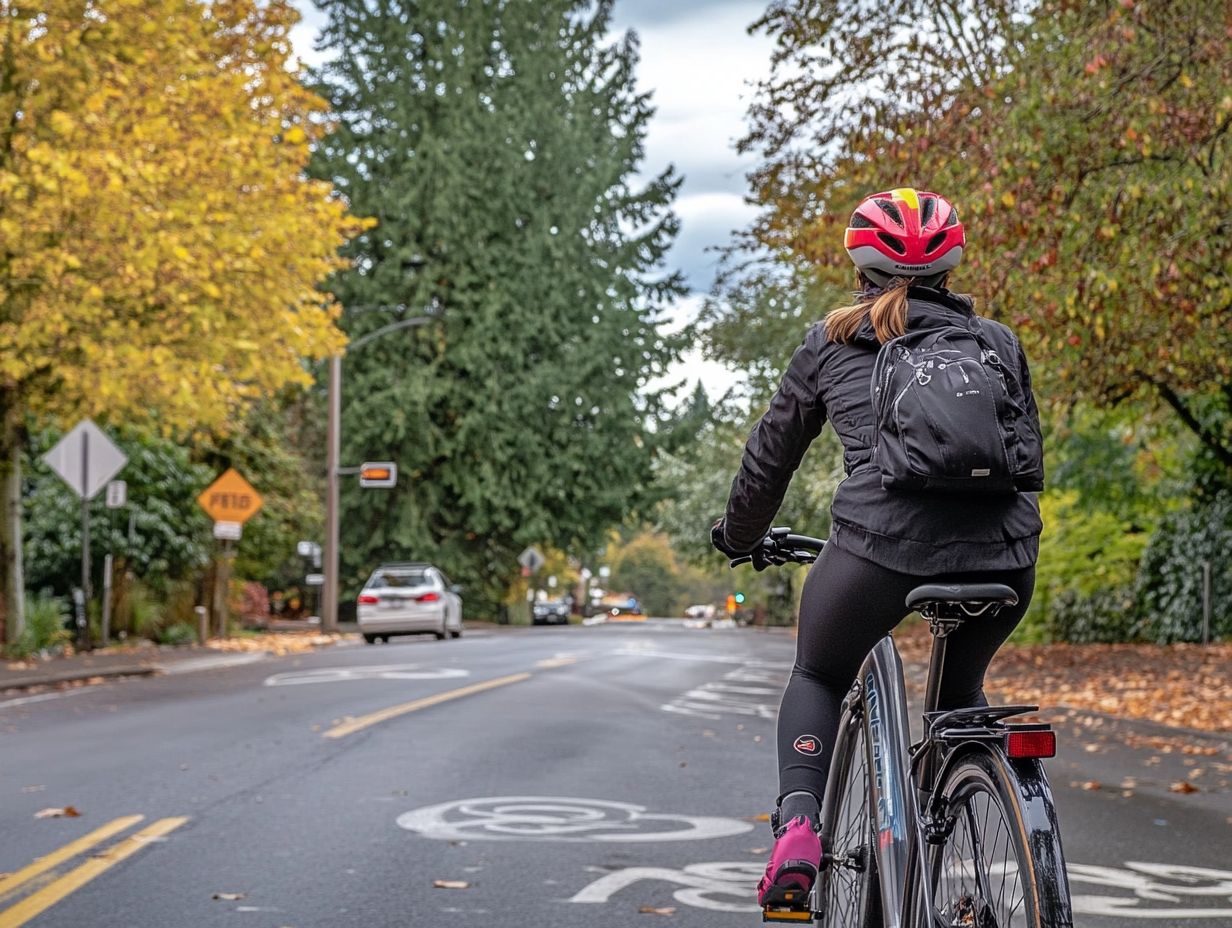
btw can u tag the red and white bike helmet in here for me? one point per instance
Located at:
(905, 233)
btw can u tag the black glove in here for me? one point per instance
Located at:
(718, 538)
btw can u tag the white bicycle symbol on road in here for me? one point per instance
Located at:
(1159, 891)
(557, 818)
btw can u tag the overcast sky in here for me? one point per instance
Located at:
(699, 61)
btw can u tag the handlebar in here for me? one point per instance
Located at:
(782, 546)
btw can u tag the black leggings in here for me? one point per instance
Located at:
(848, 605)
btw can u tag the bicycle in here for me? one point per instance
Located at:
(957, 828)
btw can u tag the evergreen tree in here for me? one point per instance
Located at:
(497, 144)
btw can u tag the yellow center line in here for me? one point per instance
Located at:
(68, 852)
(49, 895)
(550, 662)
(349, 727)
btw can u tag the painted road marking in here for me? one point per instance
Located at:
(11, 881)
(351, 726)
(38, 902)
(41, 697)
(561, 818)
(753, 690)
(1157, 891)
(560, 660)
(373, 672)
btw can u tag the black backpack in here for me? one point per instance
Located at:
(952, 416)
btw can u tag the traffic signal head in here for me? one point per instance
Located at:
(739, 598)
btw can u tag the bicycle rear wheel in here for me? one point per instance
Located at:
(848, 895)
(1001, 863)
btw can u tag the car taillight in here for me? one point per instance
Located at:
(367, 599)
(1031, 744)
(428, 598)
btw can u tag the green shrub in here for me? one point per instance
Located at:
(1105, 616)
(1170, 580)
(45, 629)
(146, 616)
(179, 633)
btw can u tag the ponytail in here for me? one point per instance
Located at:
(886, 309)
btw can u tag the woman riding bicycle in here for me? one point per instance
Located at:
(890, 534)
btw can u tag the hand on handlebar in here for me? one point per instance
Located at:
(779, 547)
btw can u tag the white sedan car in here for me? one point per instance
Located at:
(409, 599)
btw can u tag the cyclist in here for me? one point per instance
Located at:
(883, 542)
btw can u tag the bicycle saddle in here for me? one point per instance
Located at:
(966, 594)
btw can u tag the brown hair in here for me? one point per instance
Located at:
(887, 309)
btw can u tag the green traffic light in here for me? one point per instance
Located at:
(739, 597)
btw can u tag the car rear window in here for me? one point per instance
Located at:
(398, 578)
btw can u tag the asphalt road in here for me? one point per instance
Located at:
(549, 777)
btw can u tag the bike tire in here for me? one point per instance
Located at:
(1003, 857)
(848, 894)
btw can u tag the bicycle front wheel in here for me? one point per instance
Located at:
(1001, 863)
(848, 893)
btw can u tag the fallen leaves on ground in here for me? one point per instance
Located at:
(451, 884)
(1184, 685)
(230, 897)
(1182, 786)
(657, 910)
(278, 643)
(55, 812)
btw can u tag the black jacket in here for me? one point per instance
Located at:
(924, 534)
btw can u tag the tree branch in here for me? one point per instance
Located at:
(1208, 438)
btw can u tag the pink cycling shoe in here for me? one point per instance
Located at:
(793, 866)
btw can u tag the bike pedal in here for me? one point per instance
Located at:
(790, 905)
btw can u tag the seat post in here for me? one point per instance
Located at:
(940, 628)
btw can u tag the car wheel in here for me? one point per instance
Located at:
(455, 632)
(385, 639)
(440, 635)
(370, 639)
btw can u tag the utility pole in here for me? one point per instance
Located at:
(333, 463)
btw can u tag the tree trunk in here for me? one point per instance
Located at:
(12, 575)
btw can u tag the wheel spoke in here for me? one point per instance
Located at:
(977, 874)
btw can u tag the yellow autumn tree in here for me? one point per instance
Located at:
(161, 247)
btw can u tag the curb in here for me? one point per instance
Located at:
(189, 665)
(73, 676)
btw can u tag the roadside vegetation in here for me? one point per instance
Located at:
(192, 223)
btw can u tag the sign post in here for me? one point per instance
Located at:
(230, 501)
(85, 459)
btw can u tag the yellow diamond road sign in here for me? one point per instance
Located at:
(230, 498)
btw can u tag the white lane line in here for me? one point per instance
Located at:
(711, 658)
(192, 665)
(42, 697)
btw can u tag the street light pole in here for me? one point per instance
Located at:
(333, 468)
(333, 455)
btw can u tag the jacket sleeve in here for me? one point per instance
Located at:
(1035, 442)
(775, 448)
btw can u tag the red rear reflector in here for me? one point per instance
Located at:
(1031, 744)
(428, 598)
(367, 599)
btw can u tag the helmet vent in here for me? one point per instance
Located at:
(927, 210)
(894, 244)
(934, 243)
(860, 222)
(891, 210)
(953, 218)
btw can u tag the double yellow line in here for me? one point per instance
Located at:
(44, 898)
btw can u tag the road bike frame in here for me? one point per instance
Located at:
(902, 779)
(908, 814)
